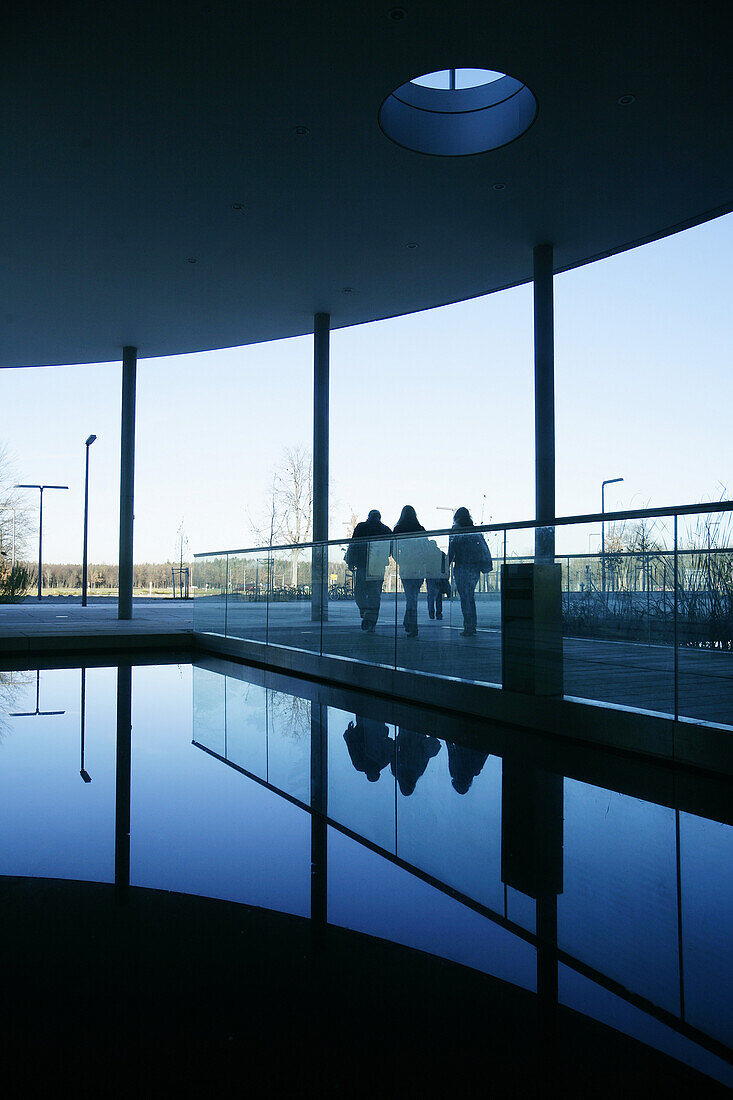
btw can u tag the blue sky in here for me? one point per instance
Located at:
(433, 409)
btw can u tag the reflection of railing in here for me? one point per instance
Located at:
(668, 584)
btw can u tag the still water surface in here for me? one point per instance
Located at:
(255, 789)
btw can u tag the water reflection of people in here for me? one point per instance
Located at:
(368, 560)
(413, 753)
(370, 747)
(410, 555)
(464, 765)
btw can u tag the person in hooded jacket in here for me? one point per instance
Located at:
(469, 555)
(368, 560)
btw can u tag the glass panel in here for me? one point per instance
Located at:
(209, 606)
(617, 612)
(447, 575)
(295, 612)
(618, 908)
(249, 585)
(360, 621)
(289, 743)
(361, 784)
(449, 814)
(432, 634)
(209, 710)
(440, 79)
(706, 856)
(246, 725)
(476, 78)
(371, 895)
(705, 617)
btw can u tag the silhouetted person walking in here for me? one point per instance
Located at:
(470, 556)
(368, 560)
(410, 555)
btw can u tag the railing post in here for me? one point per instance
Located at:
(226, 599)
(676, 628)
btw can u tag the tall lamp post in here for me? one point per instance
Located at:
(608, 481)
(88, 444)
(40, 524)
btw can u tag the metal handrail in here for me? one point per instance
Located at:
(489, 528)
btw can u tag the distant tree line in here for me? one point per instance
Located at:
(107, 576)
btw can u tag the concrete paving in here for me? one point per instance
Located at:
(65, 615)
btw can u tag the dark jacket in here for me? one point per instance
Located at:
(356, 554)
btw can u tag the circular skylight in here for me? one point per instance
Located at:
(457, 112)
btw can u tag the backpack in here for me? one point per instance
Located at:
(486, 564)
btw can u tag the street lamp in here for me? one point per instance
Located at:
(88, 444)
(608, 481)
(40, 524)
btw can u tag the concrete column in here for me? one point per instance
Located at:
(127, 481)
(544, 403)
(321, 341)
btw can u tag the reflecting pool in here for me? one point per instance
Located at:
(578, 883)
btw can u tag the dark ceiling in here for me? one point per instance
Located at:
(140, 138)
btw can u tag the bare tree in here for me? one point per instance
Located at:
(15, 532)
(290, 714)
(290, 505)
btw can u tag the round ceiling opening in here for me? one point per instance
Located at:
(458, 112)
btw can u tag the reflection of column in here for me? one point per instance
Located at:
(319, 807)
(122, 782)
(532, 862)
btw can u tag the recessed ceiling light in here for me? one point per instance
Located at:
(412, 244)
(301, 131)
(191, 260)
(397, 14)
(625, 100)
(237, 206)
(499, 186)
(348, 290)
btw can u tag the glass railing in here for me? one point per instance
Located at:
(632, 609)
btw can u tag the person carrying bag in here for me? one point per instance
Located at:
(470, 556)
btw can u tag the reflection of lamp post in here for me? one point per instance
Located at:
(608, 481)
(37, 711)
(88, 444)
(40, 524)
(82, 770)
